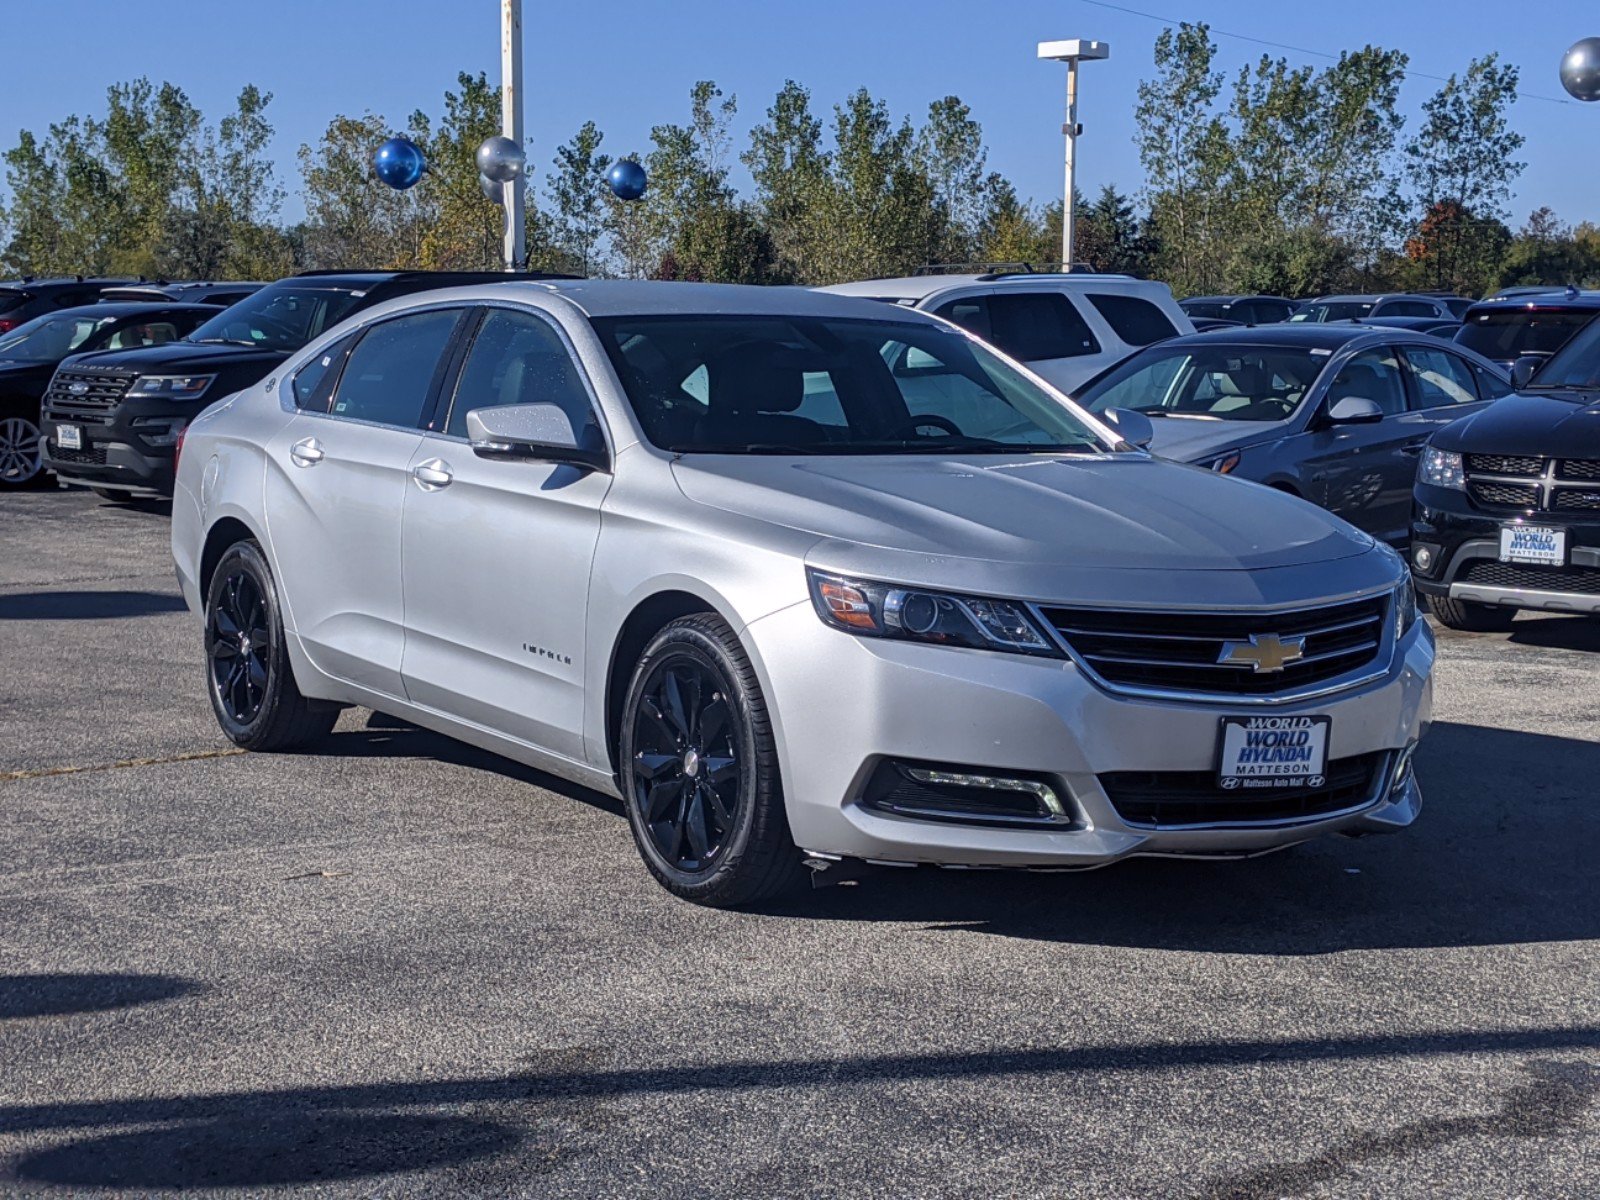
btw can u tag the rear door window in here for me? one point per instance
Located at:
(1442, 378)
(390, 374)
(1135, 321)
(1373, 375)
(1032, 326)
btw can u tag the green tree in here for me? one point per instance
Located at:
(352, 219)
(577, 187)
(951, 154)
(790, 169)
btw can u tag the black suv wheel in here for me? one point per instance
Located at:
(699, 769)
(251, 685)
(1475, 618)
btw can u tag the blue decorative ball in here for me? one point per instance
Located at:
(399, 163)
(627, 180)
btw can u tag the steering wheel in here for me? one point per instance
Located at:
(944, 424)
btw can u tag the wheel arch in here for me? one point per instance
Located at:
(223, 533)
(647, 618)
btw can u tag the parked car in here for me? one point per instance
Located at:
(1067, 326)
(1440, 327)
(1349, 308)
(1508, 500)
(30, 352)
(1246, 310)
(113, 418)
(1507, 328)
(794, 575)
(1335, 413)
(1207, 324)
(21, 300)
(217, 293)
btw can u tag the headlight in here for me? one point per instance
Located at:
(174, 387)
(1441, 468)
(914, 614)
(1223, 464)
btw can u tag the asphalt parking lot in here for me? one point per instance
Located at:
(395, 965)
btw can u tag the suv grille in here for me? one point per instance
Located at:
(1182, 651)
(1493, 573)
(1527, 483)
(1164, 799)
(101, 393)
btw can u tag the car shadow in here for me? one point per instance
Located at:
(276, 1149)
(1503, 852)
(23, 996)
(1558, 633)
(86, 606)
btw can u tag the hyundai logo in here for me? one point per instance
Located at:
(1263, 652)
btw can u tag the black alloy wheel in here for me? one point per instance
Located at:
(239, 646)
(698, 769)
(685, 766)
(248, 674)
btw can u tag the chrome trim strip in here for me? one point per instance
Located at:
(1572, 602)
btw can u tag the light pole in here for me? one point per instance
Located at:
(1072, 52)
(511, 126)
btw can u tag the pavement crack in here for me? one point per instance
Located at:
(120, 764)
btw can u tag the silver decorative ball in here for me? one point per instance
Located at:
(500, 159)
(1580, 69)
(492, 190)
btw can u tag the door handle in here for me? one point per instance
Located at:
(432, 475)
(307, 452)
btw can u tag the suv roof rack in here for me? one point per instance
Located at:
(461, 276)
(1004, 270)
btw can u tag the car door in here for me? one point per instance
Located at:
(496, 551)
(1361, 472)
(1443, 389)
(336, 480)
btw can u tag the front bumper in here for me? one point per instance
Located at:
(1010, 715)
(119, 446)
(1461, 545)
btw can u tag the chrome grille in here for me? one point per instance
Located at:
(1503, 464)
(101, 392)
(1525, 483)
(1182, 652)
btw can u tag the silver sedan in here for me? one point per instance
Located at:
(802, 579)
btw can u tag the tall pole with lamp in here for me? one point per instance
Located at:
(1072, 52)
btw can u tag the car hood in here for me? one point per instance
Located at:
(1529, 423)
(1188, 440)
(1035, 528)
(181, 358)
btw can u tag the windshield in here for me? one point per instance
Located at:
(1218, 381)
(805, 385)
(51, 338)
(278, 318)
(1576, 364)
(1320, 311)
(1514, 332)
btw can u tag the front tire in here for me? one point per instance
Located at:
(699, 769)
(1474, 618)
(20, 466)
(248, 675)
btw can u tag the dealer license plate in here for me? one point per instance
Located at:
(1273, 752)
(69, 437)
(1533, 544)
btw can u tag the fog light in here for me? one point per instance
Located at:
(1402, 768)
(1423, 558)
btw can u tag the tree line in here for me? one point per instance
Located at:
(1280, 179)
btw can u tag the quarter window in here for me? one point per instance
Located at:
(1441, 378)
(1135, 321)
(312, 385)
(517, 358)
(1490, 385)
(389, 376)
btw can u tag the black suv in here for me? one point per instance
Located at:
(1244, 310)
(217, 293)
(112, 421)
(21, 300)
(1526, 325)
(1507, 501)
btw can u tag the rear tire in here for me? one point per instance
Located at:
(20, 466)
(248, 674)
(699, 770)
(1474, 618)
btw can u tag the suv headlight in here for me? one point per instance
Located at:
(870, 609)
(173, 387)
(1441, 468)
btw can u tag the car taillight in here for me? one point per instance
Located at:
(177, 449)
(7, 324)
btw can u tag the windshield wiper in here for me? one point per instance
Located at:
(223, 342)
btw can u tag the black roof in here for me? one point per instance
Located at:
(1567, 300)
(366, 279)
(115, 309)
(1234, 299)
(1311, 335)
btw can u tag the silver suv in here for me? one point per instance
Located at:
(800, 578)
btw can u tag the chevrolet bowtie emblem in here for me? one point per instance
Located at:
(1263, 652)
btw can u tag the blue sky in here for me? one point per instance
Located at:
(628, 64)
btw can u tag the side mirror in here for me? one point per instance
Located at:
(1133, 427)
(540, 431)
(1355, 410)
(1523, 369)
